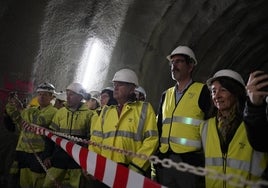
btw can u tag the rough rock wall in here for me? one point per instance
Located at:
(67, 28)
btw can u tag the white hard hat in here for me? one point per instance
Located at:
(77, 88)
(95, 95)
(126, 75)
(48, 87)
(108, 88)
(185, 50)
(141, 90)
(226, 73)
(61, 96)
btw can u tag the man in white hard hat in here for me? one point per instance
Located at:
(30, 144)
(181, 110)
(130, 125)
(74, 119)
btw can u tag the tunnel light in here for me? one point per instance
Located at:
(94, 65)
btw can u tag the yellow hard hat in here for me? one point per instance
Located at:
(33, 102)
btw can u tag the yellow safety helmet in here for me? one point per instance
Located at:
(33, 102)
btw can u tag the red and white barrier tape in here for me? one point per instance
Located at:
(103, 169)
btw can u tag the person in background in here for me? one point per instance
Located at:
(107, 98)
(60, 99)
(30, 145)
(224, 140)
(33, 102)
(181, 111)
(13, 105)
(255, 114)
(130, 125)
(140, 93)
(73, 119)
(93, 102)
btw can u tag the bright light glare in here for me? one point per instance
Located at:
(94, 65)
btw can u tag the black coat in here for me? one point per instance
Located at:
(257, 126)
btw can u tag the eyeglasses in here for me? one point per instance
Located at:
(104, 96)
(119, 84)
(176, 61)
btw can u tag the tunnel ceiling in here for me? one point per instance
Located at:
(139, 34)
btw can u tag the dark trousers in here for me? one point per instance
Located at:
(171, 177)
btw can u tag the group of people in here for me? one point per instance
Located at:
(219, 125)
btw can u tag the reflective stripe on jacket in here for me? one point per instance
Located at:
(39, 117)
(181, 122)
(135, 130)
(240, 160)
(75, 123)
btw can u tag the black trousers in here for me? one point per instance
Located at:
(171, 177)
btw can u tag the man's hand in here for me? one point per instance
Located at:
(47, 162)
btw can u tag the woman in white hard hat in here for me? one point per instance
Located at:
(224, 140)
(60, 99)
(107, 97)
(93, 101)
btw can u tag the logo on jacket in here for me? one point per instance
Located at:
(191, 95)
(242, 145)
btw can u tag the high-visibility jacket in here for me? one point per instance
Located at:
(135, 130)
(181, 121)
(28, 141)
(240, 160)
(75, 123)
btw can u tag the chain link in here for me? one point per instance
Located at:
(33, 128)
(232, 179)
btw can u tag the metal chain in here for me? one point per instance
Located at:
(232, 179)
(30, 146)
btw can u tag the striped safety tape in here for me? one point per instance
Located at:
(103, 169)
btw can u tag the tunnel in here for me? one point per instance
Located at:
(65, 41)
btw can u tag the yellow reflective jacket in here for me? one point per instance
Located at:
(39, 117)
(75, 123)
(181, 121)
(240, 160)
(135, 130)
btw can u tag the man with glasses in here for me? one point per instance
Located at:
(182, 108)
(129, 126)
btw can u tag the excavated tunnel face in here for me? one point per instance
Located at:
(87, 41)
